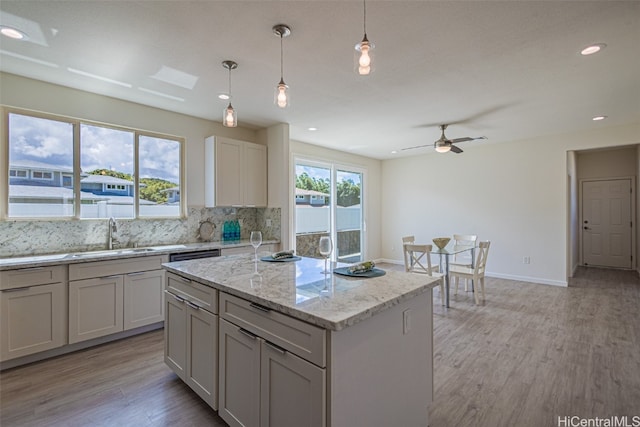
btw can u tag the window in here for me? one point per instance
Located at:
(42, 175)
(123, 173)
(17, 173)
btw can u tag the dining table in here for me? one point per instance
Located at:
(445, 254)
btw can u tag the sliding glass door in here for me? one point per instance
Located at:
(328, 202)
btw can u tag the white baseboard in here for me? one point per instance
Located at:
(536, 280)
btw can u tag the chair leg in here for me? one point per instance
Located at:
(482, 286)
(442, 295)
(457, 283)
(476, 296)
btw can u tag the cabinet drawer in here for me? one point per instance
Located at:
(204, 296)
(23, 277)
(301, 338)
(117, 266)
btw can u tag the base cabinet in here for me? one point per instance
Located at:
(191, 336)
(143, 302)
(96, 307)
(33, 319)
(262, 384)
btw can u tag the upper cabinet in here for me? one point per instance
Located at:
(235, 173)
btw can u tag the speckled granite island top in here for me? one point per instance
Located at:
(301, 290)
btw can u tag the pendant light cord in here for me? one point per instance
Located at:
(229, 84)
(281, 59)
(364, 7)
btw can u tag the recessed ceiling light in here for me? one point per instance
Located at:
(12, 33)
(594, 48)
(598, 118)
(312, 129)
(224, 96)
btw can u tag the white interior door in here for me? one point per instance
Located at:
(606, 223)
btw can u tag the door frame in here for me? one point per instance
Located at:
(634, 259)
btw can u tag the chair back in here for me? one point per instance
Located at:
(464, 240)
(481, 259)
(417, 258)
(407, 240)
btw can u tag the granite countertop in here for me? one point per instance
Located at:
(301, 290)
(80, 257)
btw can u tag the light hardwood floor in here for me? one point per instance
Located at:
(530, 354)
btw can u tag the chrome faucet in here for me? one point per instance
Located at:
(112, 229)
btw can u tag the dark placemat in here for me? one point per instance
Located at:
(269, 258)
(374, 272)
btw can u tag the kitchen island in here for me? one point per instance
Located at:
(281, 343)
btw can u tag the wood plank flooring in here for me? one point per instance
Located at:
(530, 354)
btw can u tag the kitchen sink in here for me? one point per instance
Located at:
(111, 252)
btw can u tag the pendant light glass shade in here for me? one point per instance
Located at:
(229, 115)
(281, 96)
(363, 58)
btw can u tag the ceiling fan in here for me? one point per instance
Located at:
(445, 144)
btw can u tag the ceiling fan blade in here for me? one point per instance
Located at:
(417, 146)
(467, 138)
(456, 149)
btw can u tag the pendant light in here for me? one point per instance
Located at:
(363, 59)
(281, 97)
(229, 115)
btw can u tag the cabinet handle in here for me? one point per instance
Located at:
(182, 279)
(260, 307)
(180, 299)
(136, 274)
(276, 347)
(237, 206)
(192, 305)
(110, 277)
(16, 289)
(247, 333)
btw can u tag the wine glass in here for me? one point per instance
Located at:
(325, 248)
(256, 241)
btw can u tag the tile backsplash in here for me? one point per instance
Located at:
(20, 237)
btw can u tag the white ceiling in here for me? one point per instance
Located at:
(509, 70)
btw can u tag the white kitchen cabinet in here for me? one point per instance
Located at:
(262, 382)
(143, 298)
(235, 173)
(32, 318)
(239, 376)
(96, 307)
(107, 297)
(191, 335)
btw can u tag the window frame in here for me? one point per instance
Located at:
(76, 123)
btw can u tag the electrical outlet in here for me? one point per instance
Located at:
(268, 222)
(526, 260)
(406, 321)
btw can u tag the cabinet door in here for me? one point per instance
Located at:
(143, 298)
(175, 339)
(229, 179)
(239, 376)
(95, 307)
(32, 319)
(255, 175)
(202, 354)
(292, 390)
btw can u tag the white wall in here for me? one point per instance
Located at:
(514, 194)
(36, 95)
(372, 195)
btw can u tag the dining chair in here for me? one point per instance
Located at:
(407, 240)
(464, 258)
(475, 274)
(417, 259)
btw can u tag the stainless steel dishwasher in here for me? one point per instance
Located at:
(183, 256)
